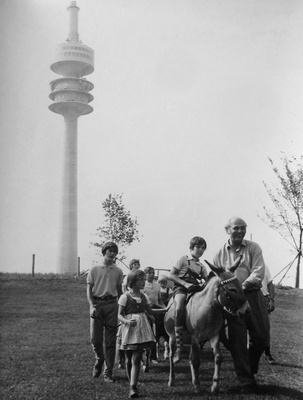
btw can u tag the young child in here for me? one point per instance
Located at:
(165, 291)
(186, 275)
(152, 289)
(136, 330)
(134, 264)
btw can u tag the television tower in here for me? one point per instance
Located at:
(70, 93)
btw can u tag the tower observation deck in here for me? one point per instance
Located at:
(71, 98)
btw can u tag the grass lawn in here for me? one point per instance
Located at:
(46, 352)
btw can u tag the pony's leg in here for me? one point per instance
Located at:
(172, 348)
(166, 350)
(195, 364)
(215, 345)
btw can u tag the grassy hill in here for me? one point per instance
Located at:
(46, 352)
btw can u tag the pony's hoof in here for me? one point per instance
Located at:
(145, 368)
(198, 389)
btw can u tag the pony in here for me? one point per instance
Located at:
(204, 320)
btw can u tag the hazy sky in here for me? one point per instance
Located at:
(190, 99)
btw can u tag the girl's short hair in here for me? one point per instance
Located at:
(133, 276)
(197, 241)
(149, 269)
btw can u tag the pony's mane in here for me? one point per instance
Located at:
(211, 280)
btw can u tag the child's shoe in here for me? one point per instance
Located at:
(133, 392)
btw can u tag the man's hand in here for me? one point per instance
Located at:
(249, 287)
(271, 305)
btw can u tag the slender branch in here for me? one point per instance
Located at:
(287, 198)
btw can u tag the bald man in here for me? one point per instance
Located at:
(250, 274)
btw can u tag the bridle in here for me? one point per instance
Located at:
(227, 302)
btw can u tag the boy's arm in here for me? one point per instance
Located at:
(119, 289)
(89, 294)
(173, 276)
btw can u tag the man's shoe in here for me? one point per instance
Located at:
(97, 370)
(178, 355)
(108, 379)
(154, 361)
(270, 359)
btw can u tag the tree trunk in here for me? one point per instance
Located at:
(298, 269)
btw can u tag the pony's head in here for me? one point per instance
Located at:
(230, 293)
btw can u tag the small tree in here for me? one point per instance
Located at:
(119, 226)
(287, 197)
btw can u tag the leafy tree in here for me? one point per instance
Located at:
(119, 226)
(287, 197)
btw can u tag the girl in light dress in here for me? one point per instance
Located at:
(137, 334)
(134, 264)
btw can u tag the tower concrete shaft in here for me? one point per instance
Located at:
(70, 93)
(69, 215)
